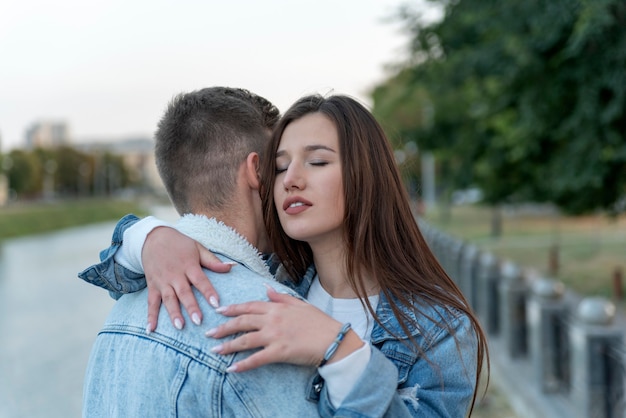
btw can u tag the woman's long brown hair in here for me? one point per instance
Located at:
(381, 235)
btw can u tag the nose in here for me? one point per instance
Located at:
(293, 178)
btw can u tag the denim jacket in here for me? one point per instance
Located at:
(172, 372)
(398, 381)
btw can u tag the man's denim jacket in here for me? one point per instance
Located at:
(171, 372)
(398, 381)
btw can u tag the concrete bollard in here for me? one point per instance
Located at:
(468, 270)
(546, 312)
(438, 245)
(455, 251)
(446, 245)
(445, 242)
(487, 295)
(513, 294)
(597, 360)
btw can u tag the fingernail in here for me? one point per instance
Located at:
(232, 368)
(231, 263)
(213, 301)
(195, 318)
(148, 328)
(221, 309)
(210, 332)
(178, 323)
(217, 348)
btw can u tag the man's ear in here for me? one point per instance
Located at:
(252, 170)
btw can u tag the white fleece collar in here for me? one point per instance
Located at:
(220, 238)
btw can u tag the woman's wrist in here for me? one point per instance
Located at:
(346, 343)
(334, 346)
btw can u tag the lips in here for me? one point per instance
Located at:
(294, 205)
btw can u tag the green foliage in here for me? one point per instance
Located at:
(527, 99)
(74, 171)
(71, 173)
(23, 172)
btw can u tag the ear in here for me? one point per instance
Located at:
(252, 170)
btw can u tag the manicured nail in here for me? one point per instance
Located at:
(195, 318)
(221, 309)
(178, 323)
(213, 301)
(232, 368)
(217, 348)
(148, 328)
(210, 332)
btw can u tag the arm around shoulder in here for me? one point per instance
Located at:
(111, 275)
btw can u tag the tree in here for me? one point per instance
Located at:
(528, 99)
(74, 171)
(24, 173)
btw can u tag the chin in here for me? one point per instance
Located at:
(297, 234)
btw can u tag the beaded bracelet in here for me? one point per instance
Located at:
(335, 344)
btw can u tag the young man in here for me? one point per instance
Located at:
(209, 139)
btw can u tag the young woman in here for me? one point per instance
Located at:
(340, 222)
(390, 332)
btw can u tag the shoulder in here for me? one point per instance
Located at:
(426, 321)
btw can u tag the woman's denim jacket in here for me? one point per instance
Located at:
(398, 381)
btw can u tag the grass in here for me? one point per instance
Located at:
(21, 219)
(590, 248)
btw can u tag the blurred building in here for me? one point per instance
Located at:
(47, 134)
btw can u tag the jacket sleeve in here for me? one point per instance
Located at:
(399, 383)
(108, 274)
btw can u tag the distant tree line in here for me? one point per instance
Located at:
(63, 172)
(524, 99)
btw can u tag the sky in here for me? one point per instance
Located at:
(109, 67)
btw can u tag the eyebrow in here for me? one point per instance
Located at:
(308, 148)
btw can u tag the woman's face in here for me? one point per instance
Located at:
(308, 190)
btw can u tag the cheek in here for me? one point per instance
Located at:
(278, 199)
(339, 200)
(276, 194)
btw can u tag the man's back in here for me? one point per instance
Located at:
(172, 372)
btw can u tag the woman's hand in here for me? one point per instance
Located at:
(173, 263)
(287, 329)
